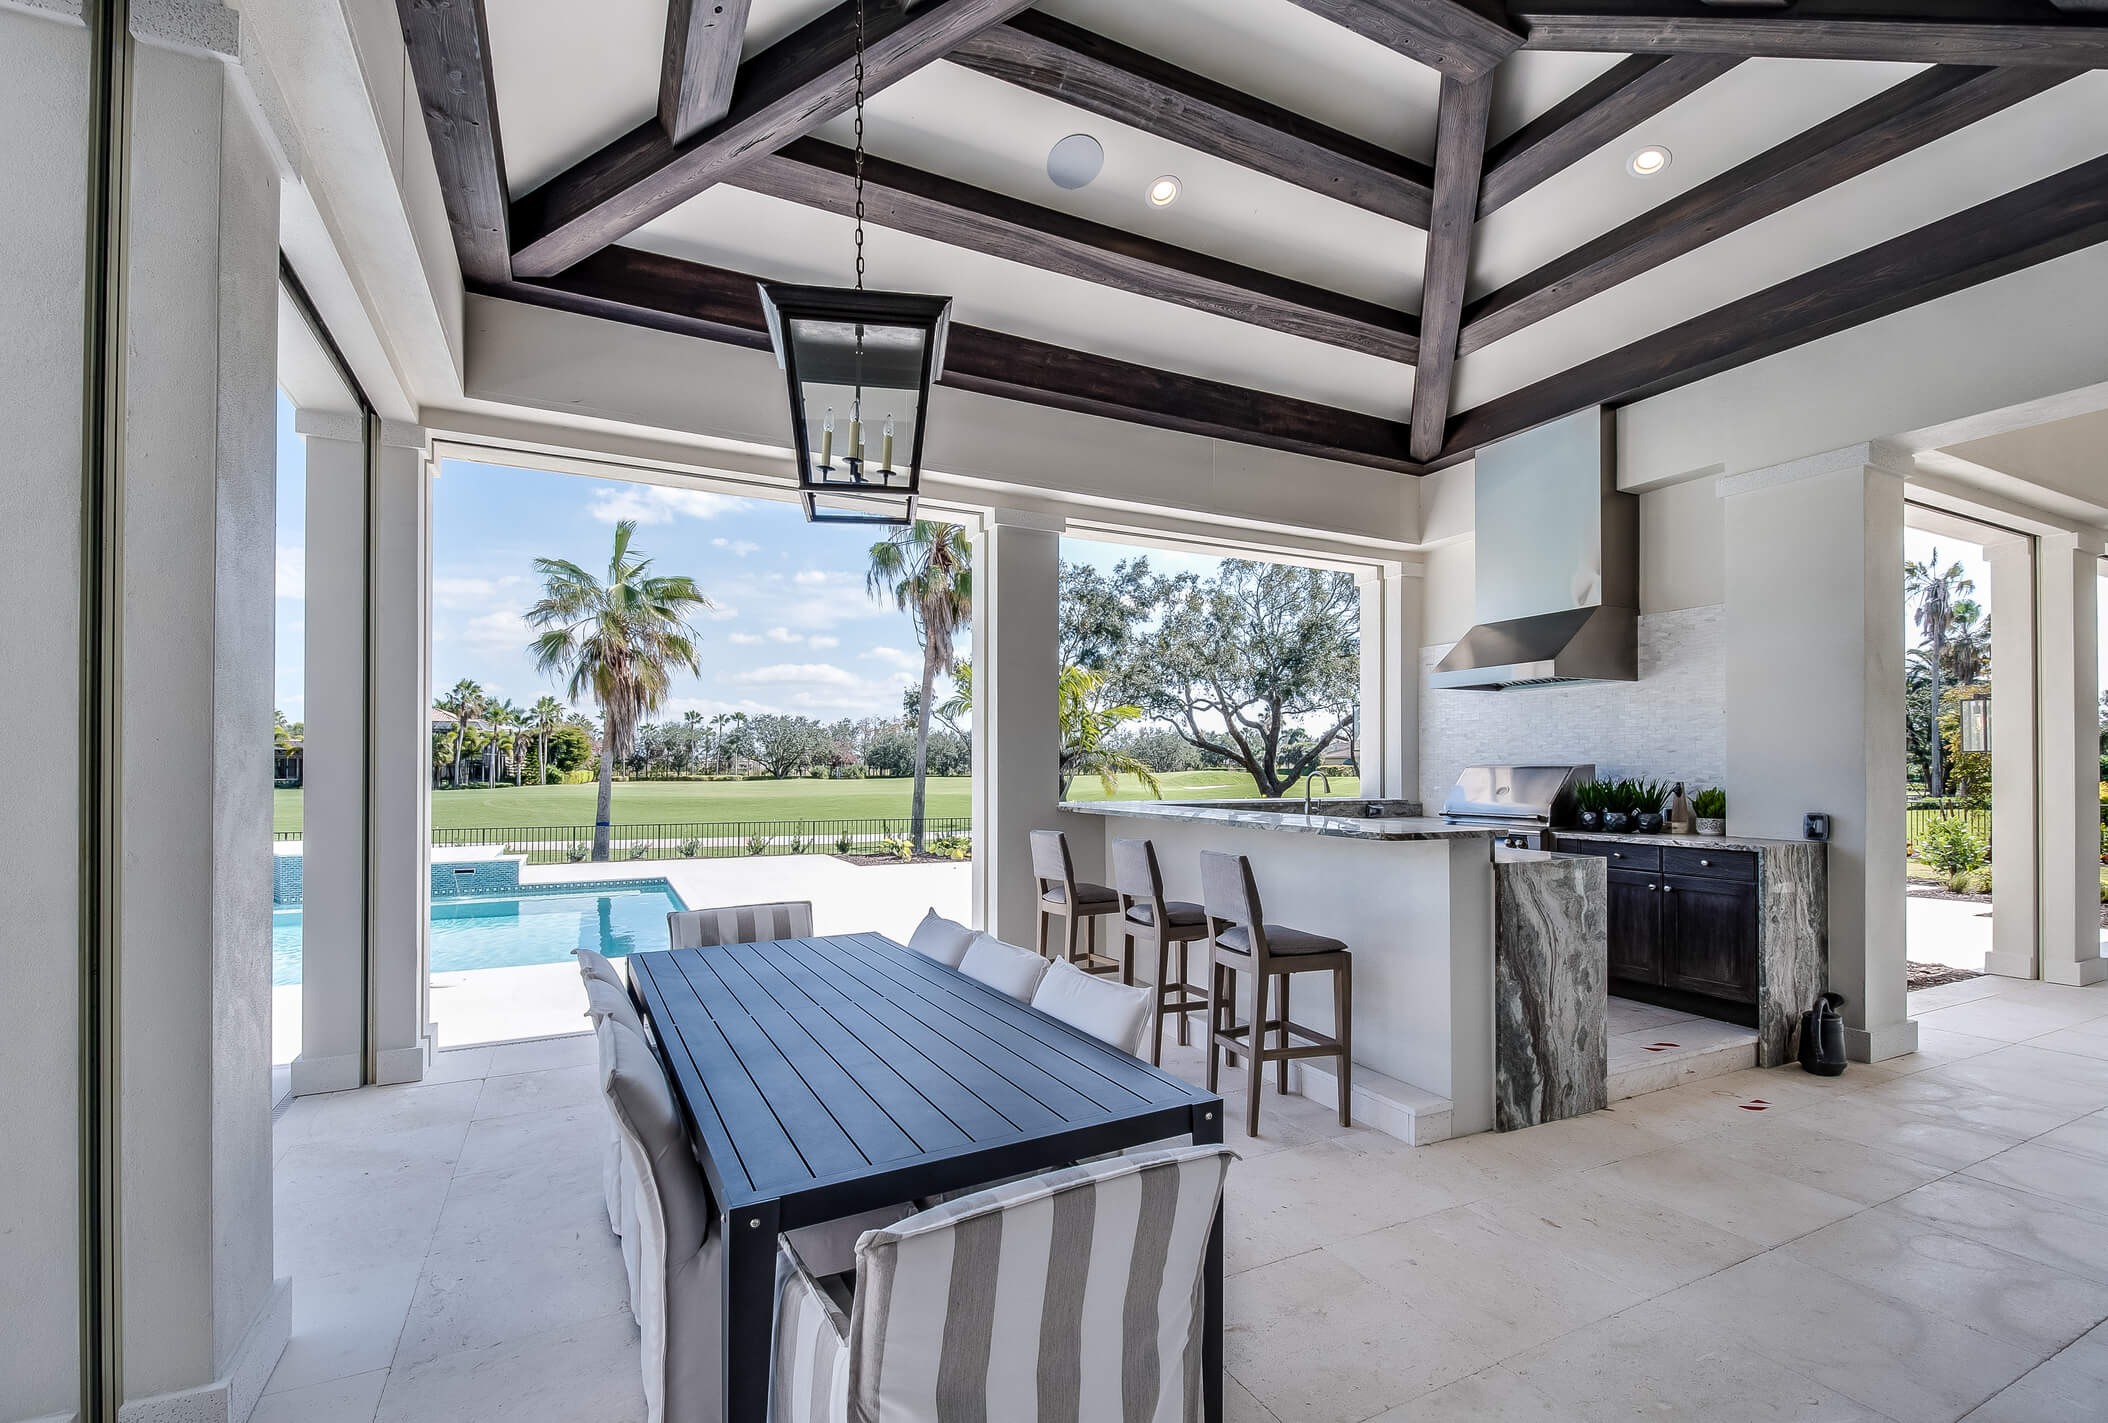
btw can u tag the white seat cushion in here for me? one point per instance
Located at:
(1002, 966)
(1110, 1012)
(942, 939)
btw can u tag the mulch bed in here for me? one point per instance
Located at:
(1925, 889)
(924, 859)
(1932, 975)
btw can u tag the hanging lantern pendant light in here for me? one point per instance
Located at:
(871, 354)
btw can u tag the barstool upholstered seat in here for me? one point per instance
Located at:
(1179, 913)
(1280, 939)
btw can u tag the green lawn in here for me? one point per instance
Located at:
(668, 802)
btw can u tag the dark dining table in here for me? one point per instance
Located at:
(825, 1077)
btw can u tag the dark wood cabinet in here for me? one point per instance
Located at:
(1635, 925)
(1683, 923)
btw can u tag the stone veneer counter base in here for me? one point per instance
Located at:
(1551, 949)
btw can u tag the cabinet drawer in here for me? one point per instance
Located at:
(1620, 854)
(1721, 864)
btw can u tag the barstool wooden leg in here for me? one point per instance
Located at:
(1255, 1065)
(1281, 1066)
(1185, 973)
(1343, 1029)
(1156, 1027)
(1068, 934)
(1127, 961)
(1044, 917)
(1214, 1045)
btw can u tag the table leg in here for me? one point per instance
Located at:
(749, 1313)
(1207, 1131)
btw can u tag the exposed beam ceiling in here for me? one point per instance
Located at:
(2041, 221)
(1094, 74)
(449, 48)
(669, 294)
(701, 60)
(1463, 40)
(1909, 31)
(1929, 105)
(785, 92)
(1629, 93)
(1460, 150)
(906, 199)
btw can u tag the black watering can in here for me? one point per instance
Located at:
(1822, 1037)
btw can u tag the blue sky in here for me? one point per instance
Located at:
(791, 629)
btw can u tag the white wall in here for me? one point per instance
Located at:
(43, 167)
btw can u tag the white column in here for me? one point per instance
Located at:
(1814, 572)
(333, 771)
(203, 1319)
(2070, 737)
(1390, 681)
(401, 756)
(1017, 729)
(2015, 906)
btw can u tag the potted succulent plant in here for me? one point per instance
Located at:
(1619, 801)
(1589, 799)
(1710, 806)
(1647, 806)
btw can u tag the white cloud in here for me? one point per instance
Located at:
(467, 592)
(718, 612)
(816, 600)
(656, 504)
(821, 640)
(820, 674)
(292, 571)
(783, 635)
(739, 547)
(744, 639)
(816, 577)
(893, 656)
(504, 630)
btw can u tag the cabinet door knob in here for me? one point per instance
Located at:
(1704, 864)
(1653, 887)
(1617, 854)
(1668, 889)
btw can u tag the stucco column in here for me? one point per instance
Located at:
(333, 770)
(2069, 601)
(203, 1319)
(1814, 578)
(1017, 728)
(1390, 682)
(2014, 821)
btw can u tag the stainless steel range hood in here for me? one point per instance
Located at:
(1556, 581)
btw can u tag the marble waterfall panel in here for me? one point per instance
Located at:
(1550, 988)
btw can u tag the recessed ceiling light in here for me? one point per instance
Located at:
(1075, 161)
(1163, 192)
(1648, 161)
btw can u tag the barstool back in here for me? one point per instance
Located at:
(1137, 876)
(1052, 864)
(1232, 898)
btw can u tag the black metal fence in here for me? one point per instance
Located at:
(1919, 816)
(708, 840)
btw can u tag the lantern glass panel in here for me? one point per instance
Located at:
(859, 378)
(1975, 716)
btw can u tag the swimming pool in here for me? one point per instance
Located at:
(520, 927)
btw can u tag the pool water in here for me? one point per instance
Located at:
(528, 926)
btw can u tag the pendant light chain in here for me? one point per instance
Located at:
(859, 145)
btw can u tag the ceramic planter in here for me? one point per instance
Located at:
(1709, 826)
(1591, 819)
(1649, 822)
(1616, 822)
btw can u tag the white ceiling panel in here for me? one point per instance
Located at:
(570, 79)
(979, 130)
(770, 20)
(1758, 103)
(770, 238)
(2032, 140)
(1283, 54)
(1530, 81)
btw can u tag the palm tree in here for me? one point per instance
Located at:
(1969, 642)
(509, 720)
(618, 641)
(466, 702)
(1086, 736)
(1935, 591)
(926, 569)
(544, 716)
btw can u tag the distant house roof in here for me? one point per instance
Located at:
(444, 718)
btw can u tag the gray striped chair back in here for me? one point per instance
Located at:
(1072, 1296)
(739, 924)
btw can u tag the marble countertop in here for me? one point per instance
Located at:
(1693, 842)
(1418, 827)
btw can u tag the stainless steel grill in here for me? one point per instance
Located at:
(1518, 798)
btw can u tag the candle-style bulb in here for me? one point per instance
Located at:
(827, 441)
(887, 459)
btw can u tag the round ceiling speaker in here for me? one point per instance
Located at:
(1075, 161)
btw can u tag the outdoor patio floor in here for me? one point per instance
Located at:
(1923, 1239)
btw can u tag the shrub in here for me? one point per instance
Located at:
(1950, 846)
(691, 848)
(759, 844)
(576, 854)
(797, 841)
(952, 847)
(639, 851)
(1970, 882)
(903, 849)
(844, 842)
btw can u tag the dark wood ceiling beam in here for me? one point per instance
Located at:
(1925, 107)
(2037, 223)
(449, 49)
(1088, 72)
(701, 60)
(1909, 31)
(905, 199)
(1621, 98)
(1460, 149)
(691, 299)
(785, 92)
(1464, 39)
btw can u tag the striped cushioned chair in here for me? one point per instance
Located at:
(977, 1308)
(739, 924)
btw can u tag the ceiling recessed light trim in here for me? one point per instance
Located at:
(1164, 191)
(1648, 161)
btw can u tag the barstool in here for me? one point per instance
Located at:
(1240, 940)
(1146, 915)
(1078, 902)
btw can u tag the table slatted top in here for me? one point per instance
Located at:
(824, 1070)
